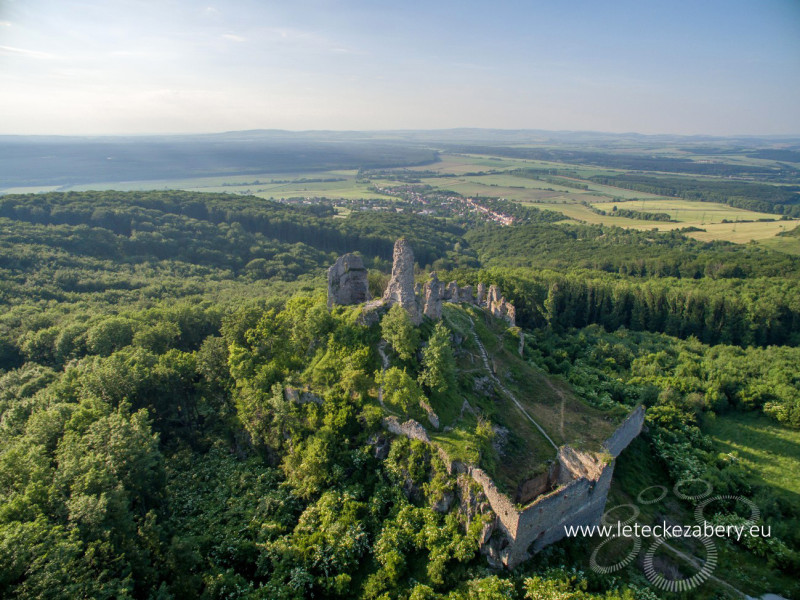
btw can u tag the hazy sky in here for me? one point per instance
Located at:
(650, 66)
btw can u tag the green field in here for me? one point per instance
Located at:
(788, 245)
(686, 211)
(741, 233)
(770, 450)
(637, 470)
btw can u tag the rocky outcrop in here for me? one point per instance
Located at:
(451, 292)
(432, 416)
(434, 292)
(291, 394)
(347, 281)
(411, 429)
(499, 307)
(432, 298)
(347, 284)
(480, 297)
(401, 289)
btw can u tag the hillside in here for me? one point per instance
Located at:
(180, 411)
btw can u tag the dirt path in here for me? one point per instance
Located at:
(504, 389)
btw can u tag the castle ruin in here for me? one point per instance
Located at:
(574, 488)
(347, 284)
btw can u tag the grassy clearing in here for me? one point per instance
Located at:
(210, 183)
(474, 187)
(763, 232)
(516, 182)
(579, 212)
(523, 451)
(788, 245)
(771, 450)
(458, 164)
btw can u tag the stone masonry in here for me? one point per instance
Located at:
(347, 281)
(347, 284)
(581, 481)
(401, 289)
(432, 300)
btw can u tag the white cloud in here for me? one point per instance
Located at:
(12, 51)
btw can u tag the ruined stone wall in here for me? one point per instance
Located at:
(581, 499)
(348, 284)
(347, 281)
(411, 429)
(402, 289)
(584, 480)
(506, 512)
(541, 484)
(625, 433)
(580, 502)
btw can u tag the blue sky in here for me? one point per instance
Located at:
(170, 66)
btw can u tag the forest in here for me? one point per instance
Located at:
(148, 447)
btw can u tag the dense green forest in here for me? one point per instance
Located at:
(148, 448)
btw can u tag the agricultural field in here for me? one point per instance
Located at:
(548, 195)
(459, 173)
(686, 211)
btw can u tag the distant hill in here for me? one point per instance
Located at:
(52, 160)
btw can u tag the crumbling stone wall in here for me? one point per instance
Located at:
(347, 284)
(541, 484)
(432, 298)
(583, 482)
(581, 499)
(401, 289)
(580, 502)
(347, 281)
(411, 429)
(625, 433)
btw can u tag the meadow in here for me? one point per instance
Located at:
(771, 450)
